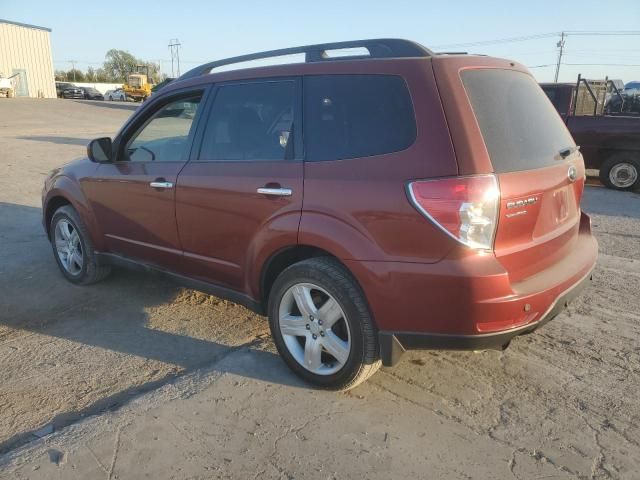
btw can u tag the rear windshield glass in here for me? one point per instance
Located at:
(521, 128)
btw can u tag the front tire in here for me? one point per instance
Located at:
(73, 249)
(321, 324)
(621, 171)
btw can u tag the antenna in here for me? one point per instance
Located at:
(174, 47)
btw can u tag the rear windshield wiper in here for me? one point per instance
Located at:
(565, 152)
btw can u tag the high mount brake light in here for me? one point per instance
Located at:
(466, 208)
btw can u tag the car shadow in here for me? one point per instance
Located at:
(57, 140)
(115, 315)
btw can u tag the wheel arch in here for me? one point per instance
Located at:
(53, 204)
(65, 191)
(623, 146)
(285, 257)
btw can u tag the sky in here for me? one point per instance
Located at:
(210, 30)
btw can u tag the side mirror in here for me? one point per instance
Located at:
(99, 150)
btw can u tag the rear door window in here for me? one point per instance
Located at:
(521, 128)
(351, 116)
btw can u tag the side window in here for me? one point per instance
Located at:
(164, 138)
(350, 116)
(251, 121)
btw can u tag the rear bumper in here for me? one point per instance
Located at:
(394, 344)
(470, 300)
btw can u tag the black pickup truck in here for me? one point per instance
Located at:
(609, 142)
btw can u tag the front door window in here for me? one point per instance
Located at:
(164, 138)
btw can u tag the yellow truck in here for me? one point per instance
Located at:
(139, 84)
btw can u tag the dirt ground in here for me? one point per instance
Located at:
(560, 403)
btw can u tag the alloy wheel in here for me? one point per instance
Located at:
(68, 247)
(314, 328)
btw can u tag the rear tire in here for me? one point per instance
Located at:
(621, 171)
(73, 249)
(338, 340)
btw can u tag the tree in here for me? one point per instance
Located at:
(75, 75)
(118, 64)
(116, 68)
(91, 75)
(102, 76)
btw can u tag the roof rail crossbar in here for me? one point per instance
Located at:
(377, 48)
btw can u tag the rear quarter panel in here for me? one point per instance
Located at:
(358, 209)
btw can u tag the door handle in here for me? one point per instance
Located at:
(161, 185)
(275, 192)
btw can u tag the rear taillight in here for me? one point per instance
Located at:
(466, 208)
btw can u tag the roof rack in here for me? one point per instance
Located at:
(378, 48)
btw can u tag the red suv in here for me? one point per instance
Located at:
(399, 199)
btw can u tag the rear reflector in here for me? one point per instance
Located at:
(465, 208)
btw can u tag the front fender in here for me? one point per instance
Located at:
(63, 187)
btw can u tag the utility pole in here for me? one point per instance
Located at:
(174, 47)
(560, 45)
(73, 68)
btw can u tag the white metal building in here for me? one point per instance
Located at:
(25, 54)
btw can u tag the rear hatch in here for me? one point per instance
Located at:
(519, 136)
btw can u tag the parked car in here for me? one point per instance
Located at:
(632, 88)
(441, 202)
(62, 86)
(73, 92)
(91, 93)
(609, 142)
(117, 94)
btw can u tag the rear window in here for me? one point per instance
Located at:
(521, 128)
(350, 116)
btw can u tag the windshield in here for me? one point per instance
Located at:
(521, 128)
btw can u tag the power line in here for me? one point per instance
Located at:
(587, 64)
(606, 64)
(499, 40)
(603, 33)
(539, 36)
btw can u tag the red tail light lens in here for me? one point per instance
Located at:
(466, 208)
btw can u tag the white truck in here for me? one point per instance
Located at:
(6, 87)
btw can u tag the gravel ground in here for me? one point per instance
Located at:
(561, 403)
